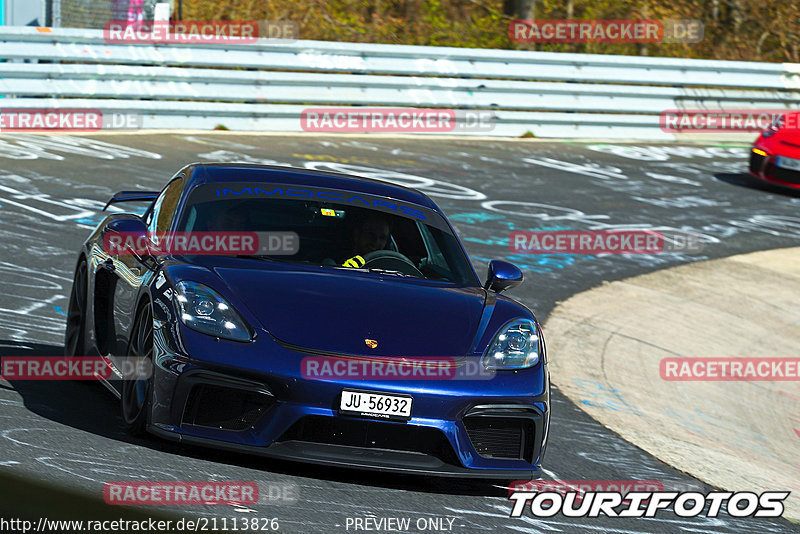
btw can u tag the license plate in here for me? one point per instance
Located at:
(377, 405)
(788, 163)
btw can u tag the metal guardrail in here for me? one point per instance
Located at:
(265, 85)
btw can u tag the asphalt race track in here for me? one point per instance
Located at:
(70, 434)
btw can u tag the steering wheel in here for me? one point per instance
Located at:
(391, 261)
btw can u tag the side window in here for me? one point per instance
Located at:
(435, 255)
(160, 216)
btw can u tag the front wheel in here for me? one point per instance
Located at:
(75, 336)
(137, 381)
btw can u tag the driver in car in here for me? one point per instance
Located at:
(229, 218)
(371, 235)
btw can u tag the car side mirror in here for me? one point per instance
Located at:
(502, 275)
(122, 233)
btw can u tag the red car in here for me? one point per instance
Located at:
(775, 156)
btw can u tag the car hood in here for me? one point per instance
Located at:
(337, 311)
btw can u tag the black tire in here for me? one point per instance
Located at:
(137, 381)
(75, 336)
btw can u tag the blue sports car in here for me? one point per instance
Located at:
(355, 333)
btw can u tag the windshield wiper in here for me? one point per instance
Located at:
(371, 270)
(264, 257)
(387, 271)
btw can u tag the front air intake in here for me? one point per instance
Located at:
(509, 432)
(224, 408)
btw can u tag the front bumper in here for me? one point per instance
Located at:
(387, 461)
(262, 405)
(764, 168)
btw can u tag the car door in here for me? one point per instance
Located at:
(131, 270)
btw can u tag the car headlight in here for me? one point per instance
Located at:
(205, 310)
(516, 346)
(777, 124)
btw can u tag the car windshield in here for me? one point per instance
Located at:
(377, 236)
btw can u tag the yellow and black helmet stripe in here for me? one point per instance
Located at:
(355, 262)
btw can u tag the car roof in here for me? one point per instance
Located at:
(208, 173)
